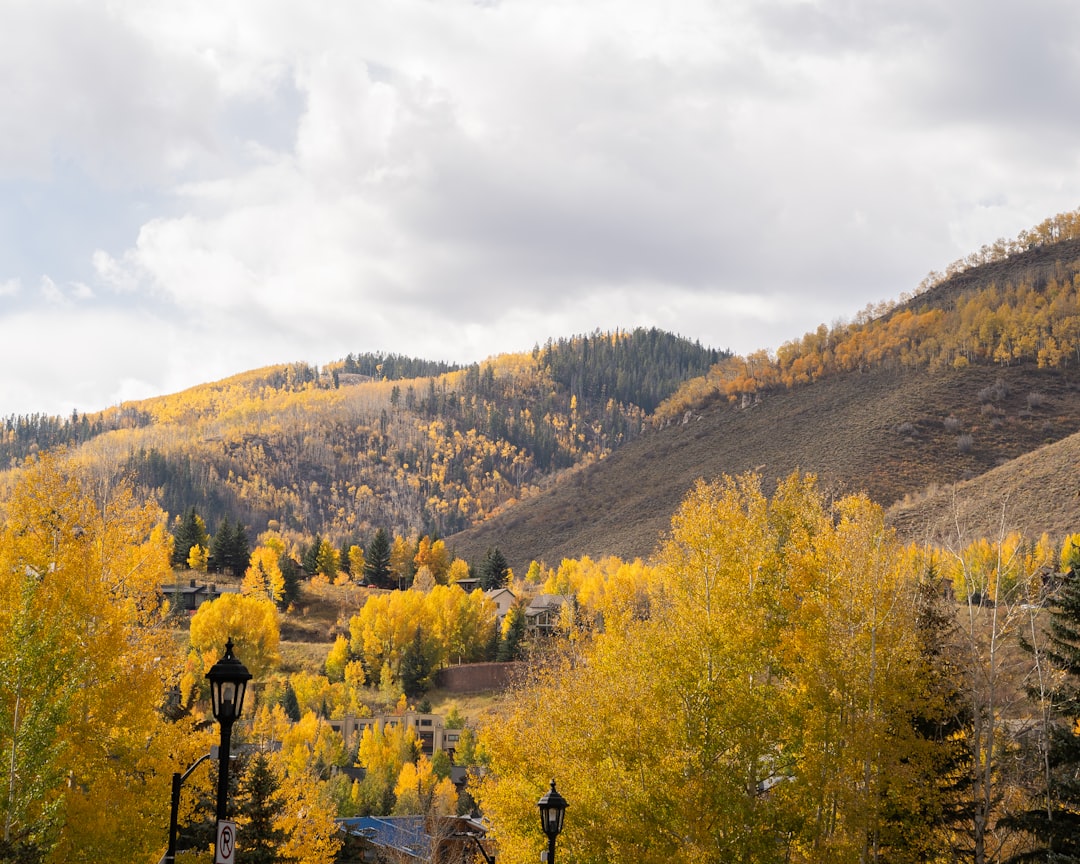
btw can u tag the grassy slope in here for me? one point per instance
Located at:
(880, 433)
(1036, 492)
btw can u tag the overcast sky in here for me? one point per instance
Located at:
(193, 189)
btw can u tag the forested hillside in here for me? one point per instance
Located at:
(980, 367)
(379, 440)
(1016, 302)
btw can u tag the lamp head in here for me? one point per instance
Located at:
(552, 810)
(228, 681)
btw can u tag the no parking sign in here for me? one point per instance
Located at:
(225, 845)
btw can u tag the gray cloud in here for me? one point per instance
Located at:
(213, 189)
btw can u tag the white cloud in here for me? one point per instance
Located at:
(287, 181)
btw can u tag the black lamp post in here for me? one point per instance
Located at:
(552, 809)
(228, 681)
(174, 810)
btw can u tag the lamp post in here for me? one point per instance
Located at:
(552, 809)
(174, 809)
(228, 681)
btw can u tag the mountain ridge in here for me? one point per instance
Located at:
(546, 454)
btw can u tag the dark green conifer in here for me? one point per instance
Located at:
(190, 532)
(494, 572)
(260, 804)
(377, 560)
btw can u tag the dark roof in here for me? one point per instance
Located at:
(400, 833)
(404, 834)
(546, 602)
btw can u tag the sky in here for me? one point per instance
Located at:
(189, 190)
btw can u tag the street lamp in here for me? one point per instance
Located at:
(552, 809)
(174, 809)
(228, 681)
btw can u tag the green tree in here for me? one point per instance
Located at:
(290, 574)
(513, 631)
(259, 808)
(926, 807)
(239, 557)
(416, 666)
(289, 703)
(494, 571)
(310, 559)
(190, 531)
(441, 764)
(377, 560)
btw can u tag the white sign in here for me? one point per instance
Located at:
(225, 845)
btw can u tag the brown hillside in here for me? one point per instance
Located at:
(889, 434)
(1036, 492)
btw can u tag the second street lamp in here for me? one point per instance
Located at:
(552, 810)
(228, 681)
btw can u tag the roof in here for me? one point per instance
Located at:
(545, 602)
(406, 834)
(400, 833)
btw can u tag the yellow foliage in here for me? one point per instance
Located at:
(263, 577)
(85, 664)
(419, 791)
(252, 624)
(780, 650)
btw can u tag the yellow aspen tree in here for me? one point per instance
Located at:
(356, 562)
(747, 718)
(419, 791)
(252, 624)
(424, 580)
(434, 555)
(402, 553)
(198, 558)
(81, 632)
(459, 569)
(263, 577)
(337, 659)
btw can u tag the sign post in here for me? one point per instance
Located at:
(225, 846)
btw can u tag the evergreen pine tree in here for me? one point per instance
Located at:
(415, 669)
(494, 572)
(940, 755)
(259, 806)
(289, 703)
(190, 532)
(513, 633)
(310, 559)
(219, 547)
(377, 560)
(239, 552)
(290, 573)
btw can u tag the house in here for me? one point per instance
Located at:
(429, 729)
(191, 596)
(504, 600)
(468, 585)
(542, 613)
(440, 840)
